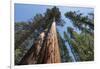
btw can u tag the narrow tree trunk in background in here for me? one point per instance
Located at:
(32, 54)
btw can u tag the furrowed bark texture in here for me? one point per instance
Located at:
(45, 50)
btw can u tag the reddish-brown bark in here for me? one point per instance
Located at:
(48, 52)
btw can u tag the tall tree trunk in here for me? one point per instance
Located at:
(50, 52)
(45, 50)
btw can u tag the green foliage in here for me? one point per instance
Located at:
(22, 32)
(18, 54)
(52, 14)
(83, 44)
(37, 22)
(20, 37)
(81, 21)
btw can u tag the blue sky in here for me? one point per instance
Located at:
(24, 12)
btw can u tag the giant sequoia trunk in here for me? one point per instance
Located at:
(50, 51)
(45, 50)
